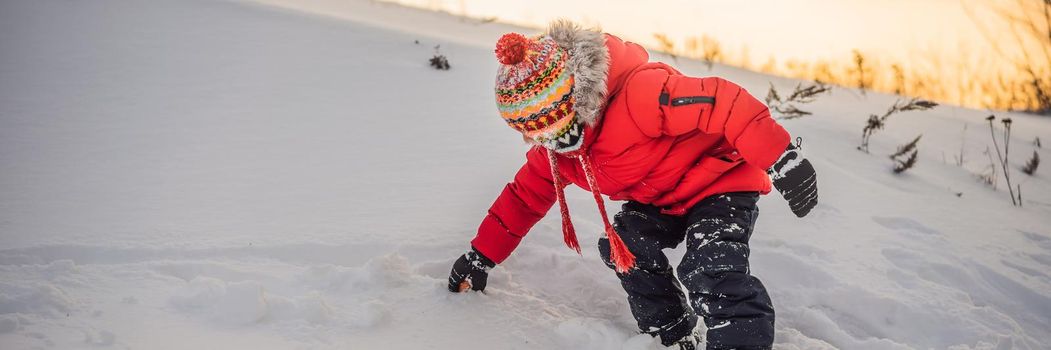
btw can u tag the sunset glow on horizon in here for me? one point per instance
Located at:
(950, 42)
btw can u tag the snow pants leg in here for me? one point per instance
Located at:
(655, 297)
(734, 304)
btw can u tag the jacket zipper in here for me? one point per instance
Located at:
(665, 99)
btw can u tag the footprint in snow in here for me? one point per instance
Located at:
(904, 225)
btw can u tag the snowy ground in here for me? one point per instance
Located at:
(212, 174)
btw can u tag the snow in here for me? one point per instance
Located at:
(216, 174)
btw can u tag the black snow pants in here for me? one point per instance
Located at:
(714, 271)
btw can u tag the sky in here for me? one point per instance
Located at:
(783, 29)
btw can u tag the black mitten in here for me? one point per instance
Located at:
(796, 179)
(470, 271)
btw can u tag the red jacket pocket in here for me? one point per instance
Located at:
(685, 104)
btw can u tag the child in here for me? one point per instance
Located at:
(689, 155)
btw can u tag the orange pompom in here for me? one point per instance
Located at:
(511, 48)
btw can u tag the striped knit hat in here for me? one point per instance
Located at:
(534, 91)
(535, 95)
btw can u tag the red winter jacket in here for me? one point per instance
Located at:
(659, 139)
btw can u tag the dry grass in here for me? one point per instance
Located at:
(905, 157)
(786, 108)
(1032, 164)
(971, 77)
(877, 122)
(1004, 157)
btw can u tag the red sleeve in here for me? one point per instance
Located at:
(521, 205)
(746, 123)
(664, 102)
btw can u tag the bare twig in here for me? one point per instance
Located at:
(1019, 195)
(666, 45)
(877, 122)
(963, 142)
(1031, 165)
(906, 148)
(786, 107)
(1035, 28)
(439, 61)
(709, 49)
(859, 66)
(902, 163)
(1003, 157)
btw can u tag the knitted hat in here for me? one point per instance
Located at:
(535, 95)
(534, 91)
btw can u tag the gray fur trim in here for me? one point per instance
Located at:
(589, 64)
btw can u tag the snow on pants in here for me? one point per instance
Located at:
(714, 271)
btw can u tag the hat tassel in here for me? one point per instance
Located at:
(623, 259)
(569, 235)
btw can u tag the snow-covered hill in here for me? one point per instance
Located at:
(180, 174)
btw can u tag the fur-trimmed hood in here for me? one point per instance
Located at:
(589, 62)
